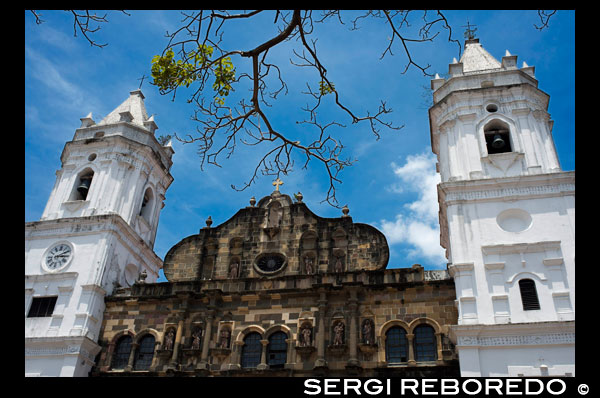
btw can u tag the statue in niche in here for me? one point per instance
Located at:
(338, 334)
(367, 332)
(305, 336)
(339, 266)
(169, 339)
(224, 338)
(234, 270)
(196, 339)
(275, 213)
(308, 265)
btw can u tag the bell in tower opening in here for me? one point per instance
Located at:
(84, 186)
(497, 138)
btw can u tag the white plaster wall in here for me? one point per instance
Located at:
(527, 361)
(473, 227)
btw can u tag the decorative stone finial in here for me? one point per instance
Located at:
(345, 211)
(208, 222)
(87, 121)
(252, 201)
(298, 196)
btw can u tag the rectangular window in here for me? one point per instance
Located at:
(42, 307)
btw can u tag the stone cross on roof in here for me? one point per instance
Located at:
(277, 183)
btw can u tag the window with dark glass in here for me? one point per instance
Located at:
(425, 343)
(396, 345)
(144, 353)
(251, 351)
(41, 307)
(121, 354)
(277, 350)
(529, 295)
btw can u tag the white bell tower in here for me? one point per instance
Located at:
(507, 218)
(97, 233)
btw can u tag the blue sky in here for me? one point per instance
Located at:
(392, 184)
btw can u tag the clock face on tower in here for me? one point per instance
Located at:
(57, 257)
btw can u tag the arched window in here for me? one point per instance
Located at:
(82, 185)
(147, 204)
(120, 356)
(277, 350)
(396, 345)
(144, 353)
(497, 137)
(251, 351)
(425, 343)
(529, 295)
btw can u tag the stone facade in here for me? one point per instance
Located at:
(278, 271)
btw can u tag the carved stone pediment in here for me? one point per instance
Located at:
(277, 237)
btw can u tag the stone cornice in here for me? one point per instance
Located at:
(515, 334)
(397, 278)
(61, 346)
(87, 133)
(508, 188)
(134, 159)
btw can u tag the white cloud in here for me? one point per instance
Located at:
(417, 223)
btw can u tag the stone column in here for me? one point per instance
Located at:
(289, 361)
(109, 354)
(134, 347)
(177, 343)
(236, 350)
(438, 338)
(263, 356)
(411, 350)
(353, 341)
(206, 342)
(321, 362)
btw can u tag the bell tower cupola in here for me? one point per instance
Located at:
(115, 166)
(490, 119)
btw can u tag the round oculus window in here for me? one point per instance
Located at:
(514, 220)
(270, 263)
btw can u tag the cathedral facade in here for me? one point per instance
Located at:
(277, 291)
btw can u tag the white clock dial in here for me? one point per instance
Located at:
(58, 256)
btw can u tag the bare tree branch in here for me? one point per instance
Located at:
(82, 22)
(544, 18)
(222, 125)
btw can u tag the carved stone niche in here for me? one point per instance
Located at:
(308, 263)
(305, 341)
(338, 261)
(166, 349)
(367, 344)
(273, 219)
(224, 339)
(309, 246)
(195, 346)
(234, 270)
(338, 344)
